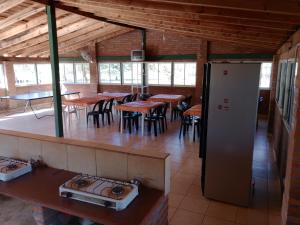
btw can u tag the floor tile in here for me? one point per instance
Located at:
(222, 211)
(215, 221)
(183, 217)
(175, 199)
(194, 205)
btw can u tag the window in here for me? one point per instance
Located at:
(278, 81)
(66, 71)
(159, 73)
(132, 73)
(184, 74)
(282, 84)
(25, 74)
(44, 73)
(289, 91)
(265, 75)
(2, 77)
(82, 72)
(110, 73)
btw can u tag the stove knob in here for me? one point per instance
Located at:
(107, 204)
(66, 194)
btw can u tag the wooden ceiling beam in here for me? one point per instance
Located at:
(188, 11)
(39, 31)
(83, 44)
(44, 46)
(18, 29)
(87, 14)
(30, 44)
(21, 15)
(194, 24)
(6, 5)
(270, 26)
(287, 7)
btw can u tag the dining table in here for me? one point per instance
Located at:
(118, 96)
(168, 98)
(142, 107)
(194, 111)
(84, 102)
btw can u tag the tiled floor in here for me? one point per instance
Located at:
(187, 206)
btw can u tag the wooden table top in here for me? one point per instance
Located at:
(41, 187)
(139, 106)
(114, 95)
(85, 101)
(166, 98)
(193, 111)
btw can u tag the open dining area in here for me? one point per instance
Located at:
(117, 112)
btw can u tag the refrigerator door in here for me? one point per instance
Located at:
(231, 123)
(204, 115)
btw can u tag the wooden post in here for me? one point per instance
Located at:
(94, 79)
(55, 69)
(201, 60)
(143, 45)
(11, 82)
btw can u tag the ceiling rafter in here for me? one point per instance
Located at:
(6, 5)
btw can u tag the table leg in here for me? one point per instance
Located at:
(121, 122)
(171, 111)
(86, 112)
(143, 123)
(193, 126)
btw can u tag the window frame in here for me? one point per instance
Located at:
(282, 81)
(161, 85)
(37, 74)
(35, 71)
(173, 76)
(4, 77)
(75, 72)
(110, 83)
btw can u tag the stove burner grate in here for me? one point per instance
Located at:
(118, 190)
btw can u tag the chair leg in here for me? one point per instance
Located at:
(129, 125)
(155, 128)
(87, 120)
(108, 118)
(112, 116)
(166, 123)
(102, 115)
(137, 124)
(159, 126)
(97, 121)
(180, 130)
(162, 121)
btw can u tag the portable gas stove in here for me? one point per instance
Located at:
(11, 168)
(100, 191)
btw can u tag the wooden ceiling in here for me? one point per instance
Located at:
(260, 24)
(24, 30)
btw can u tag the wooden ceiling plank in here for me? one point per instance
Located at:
(41, 47)
(277, 7)
(17, 49)
(192, 24)
(39, 31)
(86, 14)
(27, 26)
(269, 26)
(6, 5)
(188, 11)
(21, 15)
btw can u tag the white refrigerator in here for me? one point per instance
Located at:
(229, 111)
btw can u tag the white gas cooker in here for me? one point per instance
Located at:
(100, 191)
(12, 168)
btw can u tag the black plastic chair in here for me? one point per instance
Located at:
(187, 121)
(134, 97)
(153, 118)
(96, 112)
(188, 100)
(108, 110)
(163, 117)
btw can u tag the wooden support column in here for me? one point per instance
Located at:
(201, 60)
(11, 82)
(143, 45)
(94, 79)
(275, 65)
(55, 69)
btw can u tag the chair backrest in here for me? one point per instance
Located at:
(134, 97)
(127, 98)
(98, 105)
(144, 97)
(164, 109)
(188, 100)
(111, 102)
